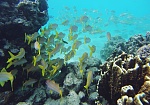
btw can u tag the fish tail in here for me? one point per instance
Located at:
(74, 51)
(2, 83)
(12, 57)
(29, 39)
(39, 52)
(34, 60)
(81, 71)
(43, 70)
(90, 51)
(10, 63)
(60, 92)
(86, 87)
(91, 54)
(80, 59)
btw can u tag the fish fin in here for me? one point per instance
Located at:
(39, 51)
(60, 92)
(86, 87)
(10, 63)
(34, 60)
(12, 57)
(2, 84)
(81, 71)
(43, 69)
(7, 76)
(29, 39)
(51, 92)
(91, 50)
(49, 55)
(3, 70)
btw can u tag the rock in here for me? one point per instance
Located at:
(111, 46)
(93, 96)
(71, 82)
(144, 51)
(73, 98)
(50, 101)
(24, 103)
(93, 62)
(81, 94)
(18, 18)
(39, 96)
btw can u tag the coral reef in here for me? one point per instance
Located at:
(116, 43)
(144, 51)
(124, 76)
(16, 18)
(116, 46)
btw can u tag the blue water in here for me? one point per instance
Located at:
(138, 13)
(119, 17)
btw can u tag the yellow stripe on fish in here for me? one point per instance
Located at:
(89, 80)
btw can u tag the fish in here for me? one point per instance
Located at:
(108, 36)
(64, 41)
(56, 67)
(34, 36)
(37, 46)
(43, 66)
(50, 16)
(55, 50)
(20, 55)
(16, 62)
(31, 68)
(53, 26)
(73, 28)
(31, 38)
(81, 60)
(65, 23)
(64, 49)
(42, 40)
(5, 76)
(59, 36)
(53, 86)
(84, 19)
(74, 37)
(76, 45)
(54, 61)
(87, 28)
(70, 36)
(67, 8)
(86, 40)
(84, 57)
(69, 55)
(89, 80)
(14, 72)
(51, 40)
(29, 82)
(36, 59)
(92, 49)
